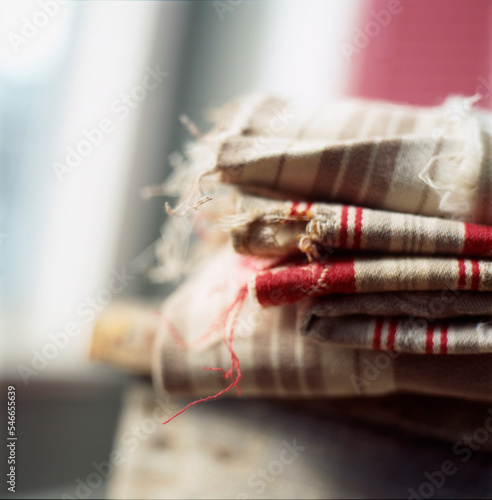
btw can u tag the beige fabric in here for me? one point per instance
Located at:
(276, 360)
(268, 227)
(429, 161)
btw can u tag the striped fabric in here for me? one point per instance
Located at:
(271, 227)
(368, 227)
(427, 161)
(408, 334)
(348, 274)
(276, 359)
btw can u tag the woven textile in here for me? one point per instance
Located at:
(277, 360)
(429, 161)
(365, 230)
(349, 274)
(270, 227)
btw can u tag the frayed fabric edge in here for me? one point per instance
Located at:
(462, 171)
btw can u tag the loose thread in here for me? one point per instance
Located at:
(234, 309)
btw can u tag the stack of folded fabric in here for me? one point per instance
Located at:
(360, 259)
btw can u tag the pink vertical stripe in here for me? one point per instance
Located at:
(475, 275)
(378, 329)
(343, 227)
(392, 335)
(429, 339)
(358, 227)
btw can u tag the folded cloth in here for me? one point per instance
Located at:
(407, 334)
(368, 228)
(200, 343)
(430, 161)
(269, 227)
(430, 305)
(353, 274)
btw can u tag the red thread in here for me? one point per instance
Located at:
(378, 329)
(307, 209)
(429, 339)
(234, 309)
(475, 275)
(462, 274)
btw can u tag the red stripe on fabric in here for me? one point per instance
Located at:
(429, 339)
(462, 274)
(392, 335)
(308, 207)
(358, 227)
(290, 284)
(378, 330)
(344, 226)
(444, 339)
(293, 209)
(478, 240)
(475, 275)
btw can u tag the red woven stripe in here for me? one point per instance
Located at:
(478, 240)
(358, 227)
(308, 207)
(284, 286)
(343, 227)
(444, 339)
(392, 334)
(293, 210)
(462, 274)
(378, 329)
(429, 339)
(475, 275)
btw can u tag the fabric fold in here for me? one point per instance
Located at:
(272, 227)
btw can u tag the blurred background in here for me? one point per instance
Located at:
(91, 94)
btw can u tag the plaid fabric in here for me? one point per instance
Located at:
(277, 360)
(269, 227)
(348, 274)
(429, 161)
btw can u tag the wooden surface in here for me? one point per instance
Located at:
(222, 449)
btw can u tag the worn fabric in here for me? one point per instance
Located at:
(430, 161)
(353, 274)
(277, 360)
(269, 227)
